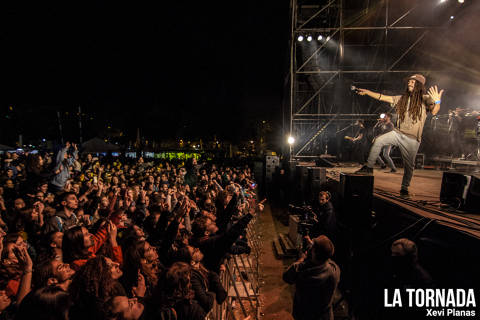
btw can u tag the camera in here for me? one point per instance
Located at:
(307, 218)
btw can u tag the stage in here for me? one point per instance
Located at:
(424, 199)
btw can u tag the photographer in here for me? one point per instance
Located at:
(316, 277)
(325, 214)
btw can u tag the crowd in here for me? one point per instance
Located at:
(88, 238)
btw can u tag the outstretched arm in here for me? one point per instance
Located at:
(374, 95)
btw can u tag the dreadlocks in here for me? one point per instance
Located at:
(416, 100)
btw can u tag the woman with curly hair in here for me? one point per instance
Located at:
(94, 284)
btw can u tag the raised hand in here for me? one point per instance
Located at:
(435, 94)
(140, 289)
(24, 260)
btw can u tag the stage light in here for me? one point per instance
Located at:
(291, 140)
(320, 37)
(300, 38)
(328, 38)
(382, 116)
(452, 17)
(442, 1)
(461, 1)
(309, 38)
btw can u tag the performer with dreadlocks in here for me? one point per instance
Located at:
(412, 109)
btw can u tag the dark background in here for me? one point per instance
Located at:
(186, 69)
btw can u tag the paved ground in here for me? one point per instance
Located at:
(277, 296)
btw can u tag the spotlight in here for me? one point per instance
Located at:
(328, 38)
(320, 37)
(461, 1)
(309, 38)
(300, 38)
(382, 116)
(442, 1)
(452, 17)
(291, 140)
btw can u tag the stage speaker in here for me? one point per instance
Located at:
(461, 191)
(316, 177)
(300, 184)
(356, 193)
(321, 162)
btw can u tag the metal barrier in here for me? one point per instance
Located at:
(240, 278)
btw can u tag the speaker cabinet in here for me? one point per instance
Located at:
(461, 191)
(356, 195)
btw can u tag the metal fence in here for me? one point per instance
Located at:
(240, 278)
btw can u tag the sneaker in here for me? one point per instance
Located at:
(404, 193)
(391, 171)
(364, 170)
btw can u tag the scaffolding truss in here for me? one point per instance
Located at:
(365, 43)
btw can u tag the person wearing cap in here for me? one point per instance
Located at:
(412, 108)
(316, 278)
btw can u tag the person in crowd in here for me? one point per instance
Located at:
(65, 159)
(65, 218)
(62, 221)
(179, 294)
(316, 278)
(79, 245)
(45, 303)
(205, 284)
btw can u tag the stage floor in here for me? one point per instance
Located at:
(424, 197)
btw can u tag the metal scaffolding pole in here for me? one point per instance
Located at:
(320, 73)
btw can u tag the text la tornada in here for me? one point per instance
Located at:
(433, 298)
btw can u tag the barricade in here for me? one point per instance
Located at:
(240, 278)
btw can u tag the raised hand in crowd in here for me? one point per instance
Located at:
(140, 289)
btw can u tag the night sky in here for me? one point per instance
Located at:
(170, 68)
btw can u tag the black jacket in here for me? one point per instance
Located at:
(207, 290)
(315, 287)
(216, 246)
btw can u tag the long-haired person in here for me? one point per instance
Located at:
(47, 303)
(205, 283)
(79, 245)
(179, 295)
(94, 284)
(412, 107)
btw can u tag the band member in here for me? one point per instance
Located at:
(454, 132)
(385, 125)
(411, 108)
(359, 142)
